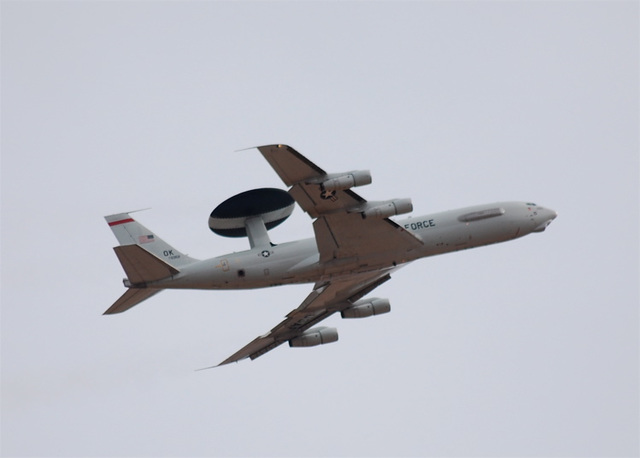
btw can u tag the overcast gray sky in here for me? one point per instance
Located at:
(528, 348)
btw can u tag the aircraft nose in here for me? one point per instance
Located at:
(547, 215)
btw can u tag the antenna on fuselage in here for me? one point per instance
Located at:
(251, 214)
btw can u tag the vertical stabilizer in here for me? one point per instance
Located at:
(130, 232)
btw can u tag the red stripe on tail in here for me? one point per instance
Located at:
(122, 221)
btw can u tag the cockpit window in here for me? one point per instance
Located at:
(531, 204)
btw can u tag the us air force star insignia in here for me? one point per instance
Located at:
(326, 195)
(265, 254)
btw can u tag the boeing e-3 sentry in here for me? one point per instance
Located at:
(356, 247)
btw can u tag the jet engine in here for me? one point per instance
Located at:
(367, 307)
(347, 180)
(315, 336)
(388, 208)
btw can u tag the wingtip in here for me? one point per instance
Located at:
(279, 145)
(245, 149)
(205, 368)
(223, 363)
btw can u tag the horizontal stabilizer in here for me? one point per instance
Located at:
(141, 266)
(132, 297)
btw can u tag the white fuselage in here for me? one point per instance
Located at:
(298, 262)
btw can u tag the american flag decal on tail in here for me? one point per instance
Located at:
(146, 239)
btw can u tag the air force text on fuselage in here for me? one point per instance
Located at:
(414, 226)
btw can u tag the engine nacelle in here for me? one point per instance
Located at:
(347, 181)
(367, 307)
(389, 208)
(315, 336)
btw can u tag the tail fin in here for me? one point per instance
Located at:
(130, 232)
(145, 258)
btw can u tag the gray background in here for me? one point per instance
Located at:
(528, 348)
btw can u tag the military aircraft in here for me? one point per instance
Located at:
(355, 249)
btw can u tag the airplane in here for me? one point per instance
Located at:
(356, 247)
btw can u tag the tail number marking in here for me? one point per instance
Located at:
(169, 254)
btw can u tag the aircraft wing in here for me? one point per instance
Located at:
(344, 237)
(326, 299)
(341, 230)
